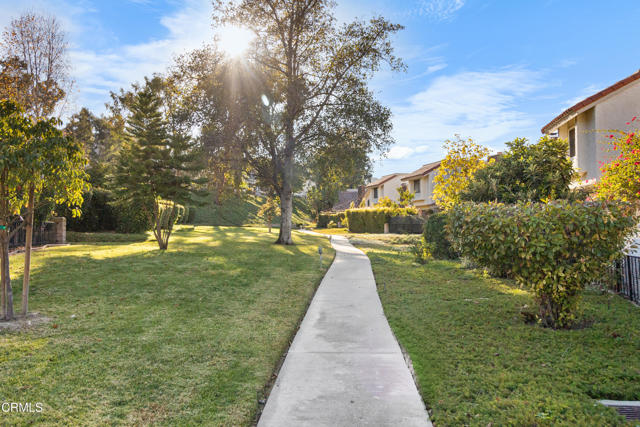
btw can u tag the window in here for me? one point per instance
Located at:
(572, 142)
(416, 186)
(375, 193)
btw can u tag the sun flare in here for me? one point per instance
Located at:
(234, 41)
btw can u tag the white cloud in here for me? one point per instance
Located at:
(399, 152)
(108, 70)
(96, 70)
(584, 93)
(482, 105)
(437, 67)
(440, 9)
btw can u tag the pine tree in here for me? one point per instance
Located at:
(153, 169)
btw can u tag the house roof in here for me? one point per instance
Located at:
(566, 114)
(345, 198)
(425, 169)
(384, 179)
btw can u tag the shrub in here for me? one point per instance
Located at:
(131, 219)
(191, 216)
(525, 172)
(422, 251)
(185, 215)
(326, 217)
(555, 249)
(372, 220)
(406, 224)
(332, 224)
(435, 235)
(97, 213)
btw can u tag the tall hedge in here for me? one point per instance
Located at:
(372, 220)
(324, 218)
(555, 249)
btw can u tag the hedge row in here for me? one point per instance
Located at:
(555, 249)
(325, 218)
(372, 220)
(101, 213)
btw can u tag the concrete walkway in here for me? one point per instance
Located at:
(344, 367)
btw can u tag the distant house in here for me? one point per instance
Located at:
(420, 182)
(608, 109)
(347, 197)
(387, 186)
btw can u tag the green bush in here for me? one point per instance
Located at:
(325, 218)
(131, 218)
(372, 220)
(332, 224)
(185, 215)
(555, 249)
(422, 251)
(191, 216)
(97, 213)
(435, 236)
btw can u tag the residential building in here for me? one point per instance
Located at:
(586, 123)
(420, 182)
(387, 186)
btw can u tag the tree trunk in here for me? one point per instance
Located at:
(286, 209)
(5, 279)
(27, 251)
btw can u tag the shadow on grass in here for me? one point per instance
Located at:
(189, 334)
(478, 362)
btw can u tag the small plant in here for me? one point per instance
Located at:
(332, 224)
(269, 210)
(422, 251)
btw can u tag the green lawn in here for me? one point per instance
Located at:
(185, 337)
(243, 210)
(478, 363)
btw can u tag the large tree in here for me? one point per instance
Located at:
(304, 77)
(524, 172)
(342, 163)
(155, 165)
(34, 51)
(463, 160)
(35, 158)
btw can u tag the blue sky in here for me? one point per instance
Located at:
(492, 70)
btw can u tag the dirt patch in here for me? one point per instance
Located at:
(24, 322)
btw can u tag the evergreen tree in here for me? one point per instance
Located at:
(154, 166)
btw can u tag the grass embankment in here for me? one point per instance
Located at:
(243, 210)
(137, 336)
(478, 363)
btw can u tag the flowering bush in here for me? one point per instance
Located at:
(621, 176)
(555, 249)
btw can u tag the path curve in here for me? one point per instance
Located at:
(345, 367)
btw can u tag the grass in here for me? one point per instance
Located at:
(186, 337)
(372, 238)
(243, 210)
(478, 363)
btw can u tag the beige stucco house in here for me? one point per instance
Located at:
(387, 186)
(585, 124)
(420, 182)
